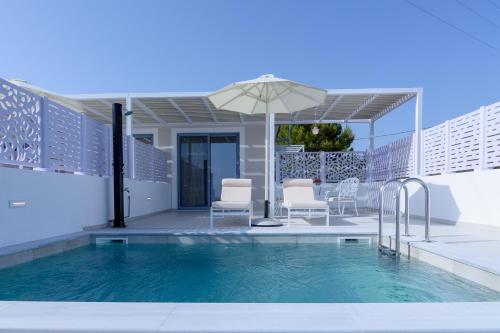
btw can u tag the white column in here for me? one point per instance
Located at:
(418, 133)
(129, 131)
(372, 135)
(272, 161)
(129, 116)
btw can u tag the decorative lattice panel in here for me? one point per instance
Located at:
(299, 165)
(402, 157)
(378, 163)
(20, 126)
(492, 136)
(126, 143)
(394, 160)
(96, 143)
(435, 144)
(63, 138)
(465, 136)
(342, 165)
(143, 164)
(159, 166)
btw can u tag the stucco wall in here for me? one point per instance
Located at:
(472, 197)
(58, 203)
(251, 154)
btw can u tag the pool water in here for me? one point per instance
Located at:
(234, 273)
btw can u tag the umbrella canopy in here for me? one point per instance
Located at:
(267, 95)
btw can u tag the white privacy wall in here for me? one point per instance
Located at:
(472, 197)
(56, 204)
(59, 203)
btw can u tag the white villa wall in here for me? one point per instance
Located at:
(59, 203)
(146, 197)
(251, 155)
(56, 204)
(472, 197)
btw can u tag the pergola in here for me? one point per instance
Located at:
(173, 109)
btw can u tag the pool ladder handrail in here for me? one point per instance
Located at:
(402, 185)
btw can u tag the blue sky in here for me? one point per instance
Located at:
(122, 46)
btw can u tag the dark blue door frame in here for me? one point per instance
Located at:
(208, 178)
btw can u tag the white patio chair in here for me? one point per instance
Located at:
(346, 192)
(235, 200)
(298, 197)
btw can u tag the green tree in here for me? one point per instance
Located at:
(331, 137)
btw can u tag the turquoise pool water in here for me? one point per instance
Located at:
(233, 273)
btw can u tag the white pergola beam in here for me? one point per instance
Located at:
(179, 109)
(418, 134)
(150, 112)
(394, 105)
(331, 107)
(210, 109)
(363, 106)
(110, 105)
(97, 113)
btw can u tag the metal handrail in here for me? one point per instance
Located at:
(402, 184)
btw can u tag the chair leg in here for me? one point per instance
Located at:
(327, 217)
(211, 218)
(250, 213)
(356, 207)
(338, 204)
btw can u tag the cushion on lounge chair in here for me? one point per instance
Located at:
(231, 205)
(236, 190)
(315, 204)
(298, 190)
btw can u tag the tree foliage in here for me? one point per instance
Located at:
(331, 137)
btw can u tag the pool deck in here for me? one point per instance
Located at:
(248, 317)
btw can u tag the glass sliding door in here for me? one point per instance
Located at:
(224, 161)
(204, 160)
(193, 171)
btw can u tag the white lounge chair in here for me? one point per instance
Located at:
(298, 197)
(347, 192)
(235, 200)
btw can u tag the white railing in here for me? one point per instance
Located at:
(37, 132)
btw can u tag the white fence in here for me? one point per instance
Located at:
(37, 132)
(466, 143)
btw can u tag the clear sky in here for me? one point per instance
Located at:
(138, 46)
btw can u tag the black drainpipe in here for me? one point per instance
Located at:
(119, 220)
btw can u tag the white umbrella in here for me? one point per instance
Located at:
(267, 95)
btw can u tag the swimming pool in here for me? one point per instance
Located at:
(326, 272)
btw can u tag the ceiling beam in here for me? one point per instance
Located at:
(178, 108)
(363, 106)
(149, 111)
(331, 107)
(394, 105)
(210, 109)
(98, 113)
(110, 105)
